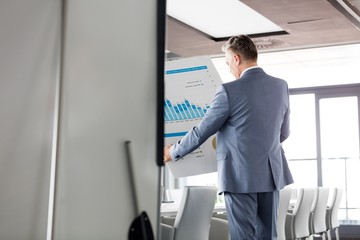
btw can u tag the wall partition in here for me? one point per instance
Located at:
(109, 97)
(81, 99)
(29, 65)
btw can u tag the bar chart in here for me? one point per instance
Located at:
(184, 110)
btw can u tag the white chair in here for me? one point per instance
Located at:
(317, 224)
(219, 229)
(332, 220)
(297, 221)
(192, 221)
(284, 201)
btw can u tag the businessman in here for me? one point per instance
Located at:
(250, 117)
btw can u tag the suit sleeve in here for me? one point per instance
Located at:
(213, 120)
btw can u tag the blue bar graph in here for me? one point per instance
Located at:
(183, 111)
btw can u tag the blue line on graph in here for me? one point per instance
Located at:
(175, 134)
(183, 110)
(182, 70)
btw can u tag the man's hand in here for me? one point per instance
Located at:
(167, 156)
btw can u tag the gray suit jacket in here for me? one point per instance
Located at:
(251, 118)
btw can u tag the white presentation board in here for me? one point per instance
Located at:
(190, 85)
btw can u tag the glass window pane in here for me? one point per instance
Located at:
(333, 173)
(339, 135)
(301, 143)
(304, 173)
(344, 173)
(339, 127)
(353, 214)
(353, 180)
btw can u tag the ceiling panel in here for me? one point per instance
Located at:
(217, 14)
(308, 23)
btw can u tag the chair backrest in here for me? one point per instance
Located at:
(195, 211)
(284, 200)
(219, 229)
(302, 212)
(334, 220)
(318, 217)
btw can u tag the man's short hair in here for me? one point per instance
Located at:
(243, 46)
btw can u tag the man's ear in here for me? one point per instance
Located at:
(237, 59)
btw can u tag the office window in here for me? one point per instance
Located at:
(300, 147)
(339, 127)
(339, 134)
(301, 143)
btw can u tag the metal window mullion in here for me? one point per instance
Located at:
(318, 141)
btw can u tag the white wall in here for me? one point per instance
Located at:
(108, 96)
(29, 37)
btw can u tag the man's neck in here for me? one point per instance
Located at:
(247, 67)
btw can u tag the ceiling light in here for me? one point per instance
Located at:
(221, 19)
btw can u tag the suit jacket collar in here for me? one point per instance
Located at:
(251, 69)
